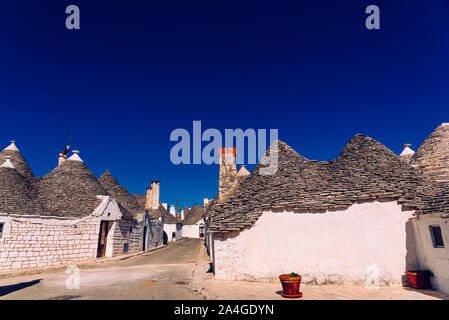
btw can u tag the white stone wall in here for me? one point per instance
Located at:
(125, 232)
(170, 228)
(132, 233)
(30, 242)
(343, 247)
(191, 230)
(430, 258)
(38, 243)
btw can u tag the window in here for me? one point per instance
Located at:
(437, 238)
(1, 230)
(125, 247)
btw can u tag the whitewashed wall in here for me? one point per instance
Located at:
(334, 247)
(31, 243)
(430, 258)
(170, 228)
(192, 230)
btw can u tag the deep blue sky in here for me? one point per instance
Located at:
(139, 69)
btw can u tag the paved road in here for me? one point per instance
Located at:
(162, 274)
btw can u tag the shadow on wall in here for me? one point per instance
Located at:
(19, 286)
(411, 259)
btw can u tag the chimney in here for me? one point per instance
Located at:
(148, 198)
(154, 194)
(152, 197)
(61, 160)
(205, 202)
(228, 172)
(172, 211)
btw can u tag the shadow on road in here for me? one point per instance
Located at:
(15, 287)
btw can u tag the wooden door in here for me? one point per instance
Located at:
(103, 236)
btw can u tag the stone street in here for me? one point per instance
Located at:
(179, 272)
(162, 274)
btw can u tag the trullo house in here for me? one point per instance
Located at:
(172, 228)
(193, 223)
(64, 217)
(340, 221)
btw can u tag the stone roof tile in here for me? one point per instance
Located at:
(364, 171)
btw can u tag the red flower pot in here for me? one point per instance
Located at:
(418, 280)
(290, 286)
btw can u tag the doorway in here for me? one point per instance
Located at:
(103, 236)
(144, 245)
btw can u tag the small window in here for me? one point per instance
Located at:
(1, 230)
(125, 247)
(437, 238)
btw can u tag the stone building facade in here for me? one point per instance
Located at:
(65, 217)
(339, 221)
(431, 227)
(171, 227)
(194, 223)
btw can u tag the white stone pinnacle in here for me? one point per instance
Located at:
(75, 156)
(407, 151)
(8, 163)
(12, 146)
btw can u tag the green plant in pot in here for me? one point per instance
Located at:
(290, 285)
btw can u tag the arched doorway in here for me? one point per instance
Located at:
(164, 238)
(202, 230)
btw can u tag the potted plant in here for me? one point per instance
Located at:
(290, 285)
(419, 279)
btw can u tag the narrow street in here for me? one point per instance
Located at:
(163, 274)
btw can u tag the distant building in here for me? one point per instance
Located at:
(148, 231)
(172, 228)
(193, 225)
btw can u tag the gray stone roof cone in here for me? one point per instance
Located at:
(16, 159)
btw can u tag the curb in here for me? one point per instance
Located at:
(199, 274)
(61, 267)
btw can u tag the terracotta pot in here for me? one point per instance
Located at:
(290, 286)
(418, 280)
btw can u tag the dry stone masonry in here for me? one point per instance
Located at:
(56, 219)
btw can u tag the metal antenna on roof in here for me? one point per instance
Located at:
(70, 136)
(66, 151)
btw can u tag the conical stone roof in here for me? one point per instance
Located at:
(17, 160)
(17, 195)
(365, 170)
(194, 214)
(432, 156)
(69, 190)
(121, 194)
